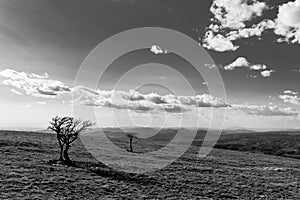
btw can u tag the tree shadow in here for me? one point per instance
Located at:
(108, 172)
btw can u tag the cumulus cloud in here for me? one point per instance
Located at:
(230, 17)
(33, 84)
(290, 97)
(239, 62)
(158, 50)
(134, 100)
(258, 67)
(262, 110)
(290, 92)
(288, 22)
(234, 13)
(210, 41)
(242, 62)
(256, 30)
(16, 92)
(266, 73)
(218, 42)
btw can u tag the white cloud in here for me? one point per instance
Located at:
(158, 50)
(255, 30)
(251, 76)
(290, 92)
(266, 73)
(27, 106)
(218, 42)
(242, 62)
(239, 62)
(290, 99)
(262, 110)
(16, 92)
(230, 17)
(33, 84)
(133, 100)
(258, 67)
(210, 41)
(234, 13)
(41, 102)
(288, 22)
(212, 66)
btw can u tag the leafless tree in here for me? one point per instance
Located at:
(67, 131)
(131, 136)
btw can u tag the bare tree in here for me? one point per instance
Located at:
(67, 131)
(57, 124)
(131, 136)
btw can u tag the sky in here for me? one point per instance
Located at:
(253, 45)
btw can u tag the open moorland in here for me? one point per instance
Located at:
(29, 169)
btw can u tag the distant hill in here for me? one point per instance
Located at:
(276, 143)
(26, 129)
(280, 143)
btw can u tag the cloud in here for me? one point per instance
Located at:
(266, 73)
(288, 22)
(210, 41)
(256, 30)
(251, 76)
(258, 67)
(16, 92)
(133, 100)
(231, 16)
(213, 66)
(295, 70)
(293, 98)
(33, 84)
(158, 50)
(27, 106)
(290, 92)
(242, 62)
(262, 110)
(239, 62)
(204, 100)
(41, 102)
(234, 13)
(218, 42)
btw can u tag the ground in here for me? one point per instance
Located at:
(29, 171)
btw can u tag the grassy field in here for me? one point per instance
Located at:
(29, 171)
(286, 144)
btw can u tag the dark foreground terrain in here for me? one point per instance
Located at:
(28, 171)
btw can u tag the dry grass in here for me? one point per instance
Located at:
(29, 171)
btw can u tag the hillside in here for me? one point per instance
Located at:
(278, 143)
(28, 172)
(285, 144)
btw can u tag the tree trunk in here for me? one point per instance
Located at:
(66, 155)
(130, 145)
(61, 158)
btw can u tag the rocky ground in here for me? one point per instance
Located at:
(28, 171)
